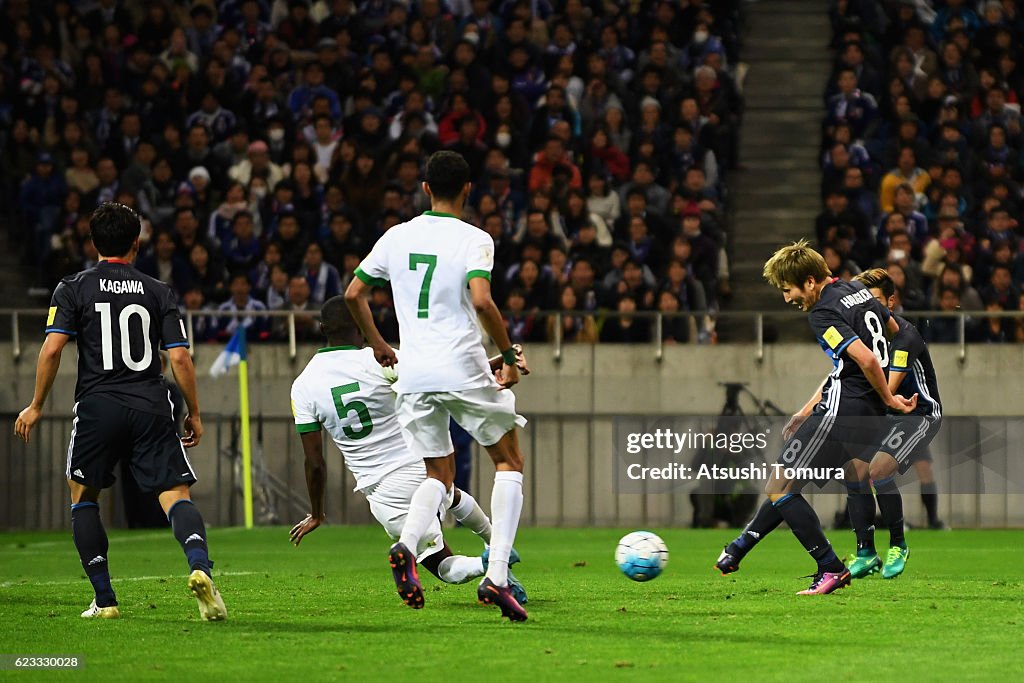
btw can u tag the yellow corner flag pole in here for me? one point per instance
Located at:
(243, 406)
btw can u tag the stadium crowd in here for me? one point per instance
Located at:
(921, 156)
(268, 144)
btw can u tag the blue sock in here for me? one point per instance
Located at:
(806, 526)
(861, 505)
(765, 520)
(890, 502)
(188, 527)
(91, 541)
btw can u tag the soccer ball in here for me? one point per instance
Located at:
(641, 555)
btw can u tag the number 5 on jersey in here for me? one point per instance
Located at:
(355, 406)
(431, 261)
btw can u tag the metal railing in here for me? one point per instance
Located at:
(708, 318)
(570, 471)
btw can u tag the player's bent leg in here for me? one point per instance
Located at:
(424, 505)
(452, 568)
(91, 541)
(929, 491)
(884, 469)
(861, 507)
(506, 504)
(765, 520)
(188, 527)
(469, 514)
(831, 574)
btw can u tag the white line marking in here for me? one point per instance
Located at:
(18, 584)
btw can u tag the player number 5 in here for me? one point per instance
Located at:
(355, 406)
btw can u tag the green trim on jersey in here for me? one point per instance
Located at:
(337, 348)
(478, 273)
(369, 279)
(440, 214)
(307, 428)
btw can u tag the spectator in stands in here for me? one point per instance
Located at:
(852, 106)
(576, 325)
(944, 330)
(256, 327)
(209, 275)
(906, 171)
(163, 263)
(257, 163)
(520, 321)
(314, 107)
(40, 200)
(675, 329)
(298, 302)
(1000, 289)
(626, 328)
(322, 278)
(242, 248)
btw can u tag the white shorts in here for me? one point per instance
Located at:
(389, 502)
(486, 413)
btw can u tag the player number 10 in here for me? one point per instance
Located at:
(123, 319)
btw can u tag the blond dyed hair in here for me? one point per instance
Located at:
(877, 278)
(793, 264)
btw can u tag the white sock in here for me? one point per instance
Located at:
(422, 511)
(506, 506)
(460, 569)
(468, 514)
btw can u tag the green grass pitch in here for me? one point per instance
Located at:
(328, 611)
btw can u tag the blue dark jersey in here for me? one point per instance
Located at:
(845, 313)
(910, 355)
(120, 319)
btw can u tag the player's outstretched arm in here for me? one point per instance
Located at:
(490, 318)
(185, 377)
(46, 371)
(356, 297)
(869, 364)
(316, 484)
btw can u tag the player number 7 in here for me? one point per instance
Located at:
(414, 262)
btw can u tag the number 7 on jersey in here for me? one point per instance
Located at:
(431, 261)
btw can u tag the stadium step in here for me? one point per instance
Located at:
(776, 196)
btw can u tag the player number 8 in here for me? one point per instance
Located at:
(879, 344)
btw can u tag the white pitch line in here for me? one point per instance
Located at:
(129, 538)
(17, 584)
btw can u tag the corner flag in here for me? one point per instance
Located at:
(235, 354)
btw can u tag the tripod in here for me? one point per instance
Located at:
(710, 506)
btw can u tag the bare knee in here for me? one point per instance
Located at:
(442, 469)
(882, 467)
(170, 497)
(506, 454)
(776, 488)
(82, 492)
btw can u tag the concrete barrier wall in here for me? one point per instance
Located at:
(572, 404)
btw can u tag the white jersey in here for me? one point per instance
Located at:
(346, 391)
(429, 262)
